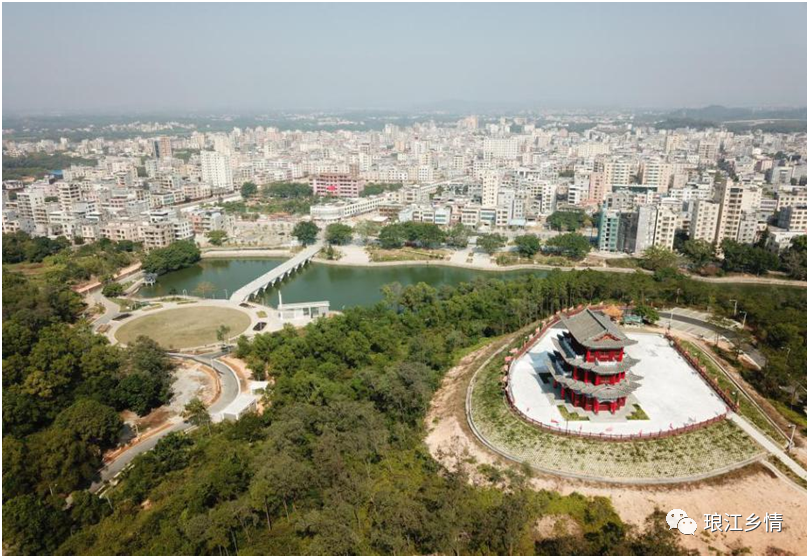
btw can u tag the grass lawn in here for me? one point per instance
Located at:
(184, 327)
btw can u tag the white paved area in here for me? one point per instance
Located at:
(671, 393)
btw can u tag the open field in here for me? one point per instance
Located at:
(184, 327)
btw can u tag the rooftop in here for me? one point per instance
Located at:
(594, 330)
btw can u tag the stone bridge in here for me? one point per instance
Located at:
(277, 274)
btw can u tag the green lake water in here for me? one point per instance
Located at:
(342, 286)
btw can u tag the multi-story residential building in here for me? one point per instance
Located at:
(704, 221)
(793, 218)
(666, 225)
(608, 228)
(337, 185)
(162, 148)
(658, 174)
(734, 201)
(216, 171)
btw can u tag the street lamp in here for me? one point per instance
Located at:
(791, 438)
(744, 319)
(735, 306)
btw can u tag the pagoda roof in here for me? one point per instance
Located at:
(602, 368)
(594, 330)
(604, 392)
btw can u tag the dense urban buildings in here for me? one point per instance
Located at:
(644, 185)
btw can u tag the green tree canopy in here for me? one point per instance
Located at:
(527, 245)
(306, 232)
(491, 243)
(338, 233)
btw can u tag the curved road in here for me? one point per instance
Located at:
(230, 389)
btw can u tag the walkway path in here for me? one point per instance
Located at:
(768, 444)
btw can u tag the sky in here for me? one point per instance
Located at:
(107, 58)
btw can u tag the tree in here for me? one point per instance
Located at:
(113, 290)
(568, 221)
(458, 236)
(197, 414)
(217, 237)
(205, 288)
(338, 233)
(648, 314)
(657, 257)
(222, 333)
(699, 252)
(572, 245)
(248, 190)
(367, 229)
(176, 255)
(794, 258)
(491, 243)
(527, 245)
(392, 236)
(91, 422)
(31, 526)
(306, 232)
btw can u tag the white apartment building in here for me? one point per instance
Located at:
(734, 201)
(704, 221)
(216, 171)
(665, 227)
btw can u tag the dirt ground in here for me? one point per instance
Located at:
(751, 490)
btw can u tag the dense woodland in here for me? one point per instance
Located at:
(60, 261)
(336, 464)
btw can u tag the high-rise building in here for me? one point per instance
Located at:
(734, 201)
(216, 171)
(636, 230)
(490, 188)
(608, 227)
(598, 188)
(665, 227)
(162, 147)
(657, 173)
(704, 221)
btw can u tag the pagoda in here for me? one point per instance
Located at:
(589, 363)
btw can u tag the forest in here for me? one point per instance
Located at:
(336, 463)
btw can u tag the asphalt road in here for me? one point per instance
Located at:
(696, 323)
(230, 389)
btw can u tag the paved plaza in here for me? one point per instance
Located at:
(671, 393)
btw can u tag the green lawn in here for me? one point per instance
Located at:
(184, 327)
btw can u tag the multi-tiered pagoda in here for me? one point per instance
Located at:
(589, 364)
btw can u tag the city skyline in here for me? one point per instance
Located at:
(242, 58)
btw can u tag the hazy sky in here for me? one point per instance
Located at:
(255, 57)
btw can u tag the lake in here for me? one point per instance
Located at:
(342, 286)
